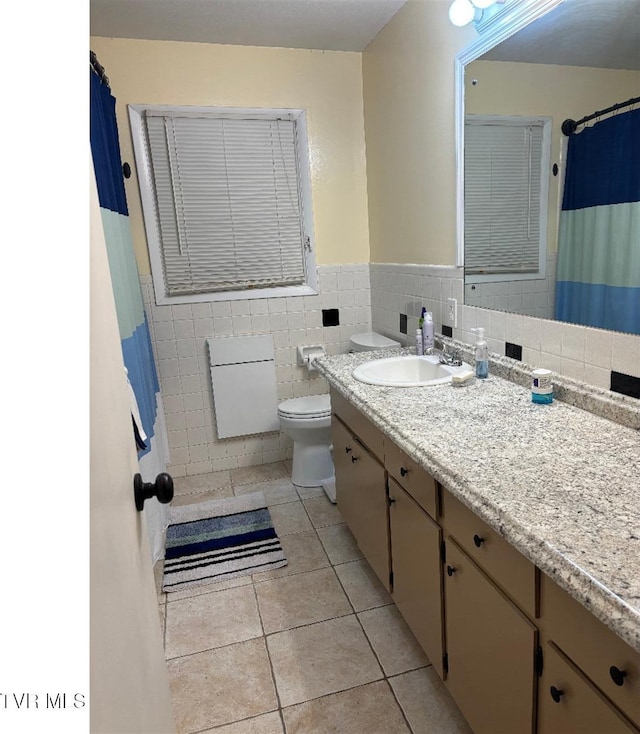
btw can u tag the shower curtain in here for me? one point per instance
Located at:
(151, 440)
(598, 278)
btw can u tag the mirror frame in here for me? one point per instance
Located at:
(500, 25)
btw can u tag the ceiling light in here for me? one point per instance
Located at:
(482, 4)
(462, 12)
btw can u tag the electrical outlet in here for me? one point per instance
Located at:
(453, 312)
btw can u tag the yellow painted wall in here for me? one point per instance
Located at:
(408, 76)
(559, 92)
(327, 84)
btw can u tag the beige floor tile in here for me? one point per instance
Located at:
(394, 644)
(276, 491)
(201, 482)
(259, 473)
(339, 543)
(362, 585)
(302, 599)
(322, 512)
(303, 551)
(306, 493)
(265, 724)
(211, 620)
(427, 704)
(208, 588)
(221, 686)
(369, 709)
(290, 518)
(202, 496)
(327, 657)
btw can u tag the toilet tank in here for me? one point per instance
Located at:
(369, 341)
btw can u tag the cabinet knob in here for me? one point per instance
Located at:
(617, 675)
(450, 570)
(478, 540)
(556, 694)
(354, 459)
(392, 501)
(403, 471)
(348, 449)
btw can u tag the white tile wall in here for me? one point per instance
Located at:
(179, 336)
(530, 297)
(577, 352)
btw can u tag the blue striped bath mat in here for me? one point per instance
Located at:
(218, 540)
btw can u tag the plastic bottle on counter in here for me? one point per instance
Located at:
(482, 354)
(427, 332)
(419, 349)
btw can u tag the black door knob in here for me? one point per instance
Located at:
(162, 488)
(354, 459)
(348, 449)
(478, 540)
(556, 694)
(403, 471)
(450, 570)
(617, 675)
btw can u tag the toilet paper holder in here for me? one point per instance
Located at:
(307, 356)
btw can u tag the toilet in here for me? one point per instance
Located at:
(369, 341)
(307, 421)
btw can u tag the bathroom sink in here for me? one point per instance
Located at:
(408, 371)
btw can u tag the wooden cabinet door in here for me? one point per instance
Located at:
(569, 704)
(362, 499)
(490, 650)
(416, 565)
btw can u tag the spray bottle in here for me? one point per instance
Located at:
(482, 354)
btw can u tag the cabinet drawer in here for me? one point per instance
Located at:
(507, 567)
(592, 646)
(570, 704)
(410, 475)
(366, 432)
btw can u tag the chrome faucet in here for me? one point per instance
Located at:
(451, 359)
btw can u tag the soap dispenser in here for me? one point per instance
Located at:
(482, 354)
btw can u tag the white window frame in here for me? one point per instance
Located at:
(145, 180)
(545, 162)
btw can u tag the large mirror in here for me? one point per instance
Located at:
(525, 247)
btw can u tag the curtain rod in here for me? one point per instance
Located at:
(570, 126)
(98, 68)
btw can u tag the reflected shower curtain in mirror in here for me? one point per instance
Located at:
(132, 321)
(598, 278)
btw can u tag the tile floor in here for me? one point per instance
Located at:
(316, 647)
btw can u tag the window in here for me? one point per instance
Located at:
(226, 202)
(506, 163)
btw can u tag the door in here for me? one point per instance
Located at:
(362, 498)
(490, 650)
(129, 683)
(417, 578)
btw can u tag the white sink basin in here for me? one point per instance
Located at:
(408, 371)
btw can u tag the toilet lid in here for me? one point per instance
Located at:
(312, 406)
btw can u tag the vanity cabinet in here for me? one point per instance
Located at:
(490, 650)
(602, 667)
(417, 580)
(362, 496)
(518, 654)
(570, 704)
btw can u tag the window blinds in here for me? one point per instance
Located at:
(502, 190)
(227, 202)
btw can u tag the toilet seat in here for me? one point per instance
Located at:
(306, 408)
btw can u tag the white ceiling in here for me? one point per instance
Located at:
(600, 33)
(332, 25)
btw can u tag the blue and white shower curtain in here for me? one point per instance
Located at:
(132, 321)
(598, 278)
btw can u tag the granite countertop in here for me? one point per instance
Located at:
(561, 484)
